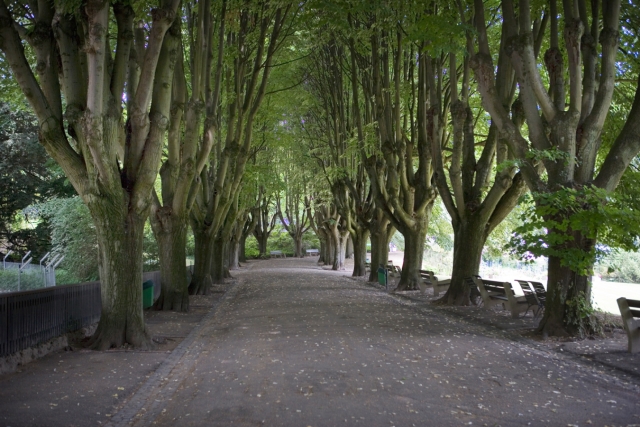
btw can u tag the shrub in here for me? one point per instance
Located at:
(621, 266)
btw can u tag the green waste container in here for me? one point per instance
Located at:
(382, 276)
(147, 294)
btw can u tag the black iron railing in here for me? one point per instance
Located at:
(30, 318)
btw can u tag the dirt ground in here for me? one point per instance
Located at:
(290, 343)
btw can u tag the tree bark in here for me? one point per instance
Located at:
(350, 247)
(469, 240)
(332, 249)
(242, 249)
(171, 235)
(360, 252)
(234, 244)
(563, 315)
(324, 246)
(413, 251)
(262, 244)
(247, 229)
(201, 280)
(297, 243)
(381, 233)
(120, 235)
(219, 261)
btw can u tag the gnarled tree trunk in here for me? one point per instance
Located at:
(120, 235)
(360, 252)
(171, 235)
(469, 240)
(413, 251)
(220, 259)
(201, 279)
(381, 234)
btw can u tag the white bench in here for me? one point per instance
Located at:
(495, 292)
(277, 254)
(492, 292)
(313, 252)
(630, 312)
(430, 280)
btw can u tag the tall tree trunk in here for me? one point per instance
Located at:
(262, 243)
(469, 240)
(220, 259)
(234, 246)
(331, 249)
(360, 252)
(171, 235)
(297, 243)
(350, 248)
(568, 303)
(201, 280)
(381, 233)
(234, 259)
(413, 250)
(247, 229)
(325, 243)
(242, 249)
(339, 243)
(120, 235)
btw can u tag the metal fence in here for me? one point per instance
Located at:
(25, 275)
(30, 318)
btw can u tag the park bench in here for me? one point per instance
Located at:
(630, 312)
(531, 297)
(474, 293)
(430, 280)
(278, 254)
(517, 304)
(494, 292)
(541, 292)
(313, 252)
(491, 291)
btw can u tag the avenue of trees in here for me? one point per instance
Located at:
(350, 119)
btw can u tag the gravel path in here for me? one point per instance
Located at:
(296, 345)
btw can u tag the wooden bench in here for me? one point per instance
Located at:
(430, 280)
(494, 292)
(491, 291)
(630, 312)
(313, 252)
(541, 292)
(517, 304)
(277, 254)
(532, 297)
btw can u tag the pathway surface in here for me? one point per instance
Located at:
(294, 345)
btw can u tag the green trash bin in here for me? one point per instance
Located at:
(382, 276)
(147, 294)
